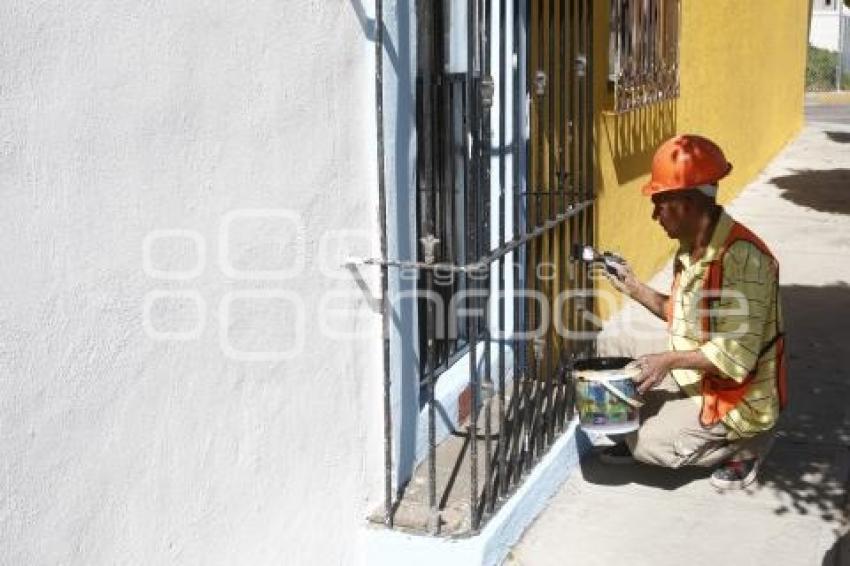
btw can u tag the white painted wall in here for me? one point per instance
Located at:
(823, 32)
(122, 117)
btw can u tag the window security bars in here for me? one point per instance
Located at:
(644, 52)
(490, 213)
(460, 224)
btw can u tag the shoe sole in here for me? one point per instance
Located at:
(729, 485)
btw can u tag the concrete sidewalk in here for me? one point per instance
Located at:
(797, 513)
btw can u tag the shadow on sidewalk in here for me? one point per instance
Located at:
(808, 468)
(824, 190)
(595, 472)
(839, 554)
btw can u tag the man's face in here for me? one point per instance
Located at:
(673, 211)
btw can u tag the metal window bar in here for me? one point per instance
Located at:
(548, 62)
(382, 222)
(643, 52)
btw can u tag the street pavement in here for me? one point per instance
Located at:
(797, 512)
(829, 108)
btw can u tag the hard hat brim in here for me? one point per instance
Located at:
(653, 188)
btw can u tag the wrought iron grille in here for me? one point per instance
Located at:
(644, 52)
(491, 211)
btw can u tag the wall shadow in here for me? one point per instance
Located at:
(399, 131)
(826, 190)
(399, 103)
(367, 24)
(633, 137)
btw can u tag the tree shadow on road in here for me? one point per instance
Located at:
(838, 137)
(826, 190)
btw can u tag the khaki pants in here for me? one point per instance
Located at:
(671, 435)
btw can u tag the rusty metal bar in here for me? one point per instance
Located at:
(471, 126)
(385, 303)
(429, 245)
(484, 263)
(486, 96)
(517, 150)
(501, 486)
(551, 127)
(563, 175)
(427, 183)
(590, 192)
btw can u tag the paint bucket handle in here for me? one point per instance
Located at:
(622, 396)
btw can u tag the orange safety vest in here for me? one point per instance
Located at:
(722, 395)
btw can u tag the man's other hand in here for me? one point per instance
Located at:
(623, 279)
(653, 369)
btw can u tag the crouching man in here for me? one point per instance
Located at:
(714, 397)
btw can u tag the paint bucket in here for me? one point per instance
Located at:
(606, 397)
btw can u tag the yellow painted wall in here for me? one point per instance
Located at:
(741, 76)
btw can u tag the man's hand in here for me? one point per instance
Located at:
(653, 369)
(623, 279)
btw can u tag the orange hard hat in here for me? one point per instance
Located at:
(685, 162)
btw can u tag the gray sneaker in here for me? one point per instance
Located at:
(735, 474)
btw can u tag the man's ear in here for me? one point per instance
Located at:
(696, 200)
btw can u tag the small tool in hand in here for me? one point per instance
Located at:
(609, 260)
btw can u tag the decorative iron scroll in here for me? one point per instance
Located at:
(644, 52)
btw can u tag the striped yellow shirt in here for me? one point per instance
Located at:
(744, 320)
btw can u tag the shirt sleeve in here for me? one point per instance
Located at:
(740, 314)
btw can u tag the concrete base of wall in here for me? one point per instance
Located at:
(384, 547)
